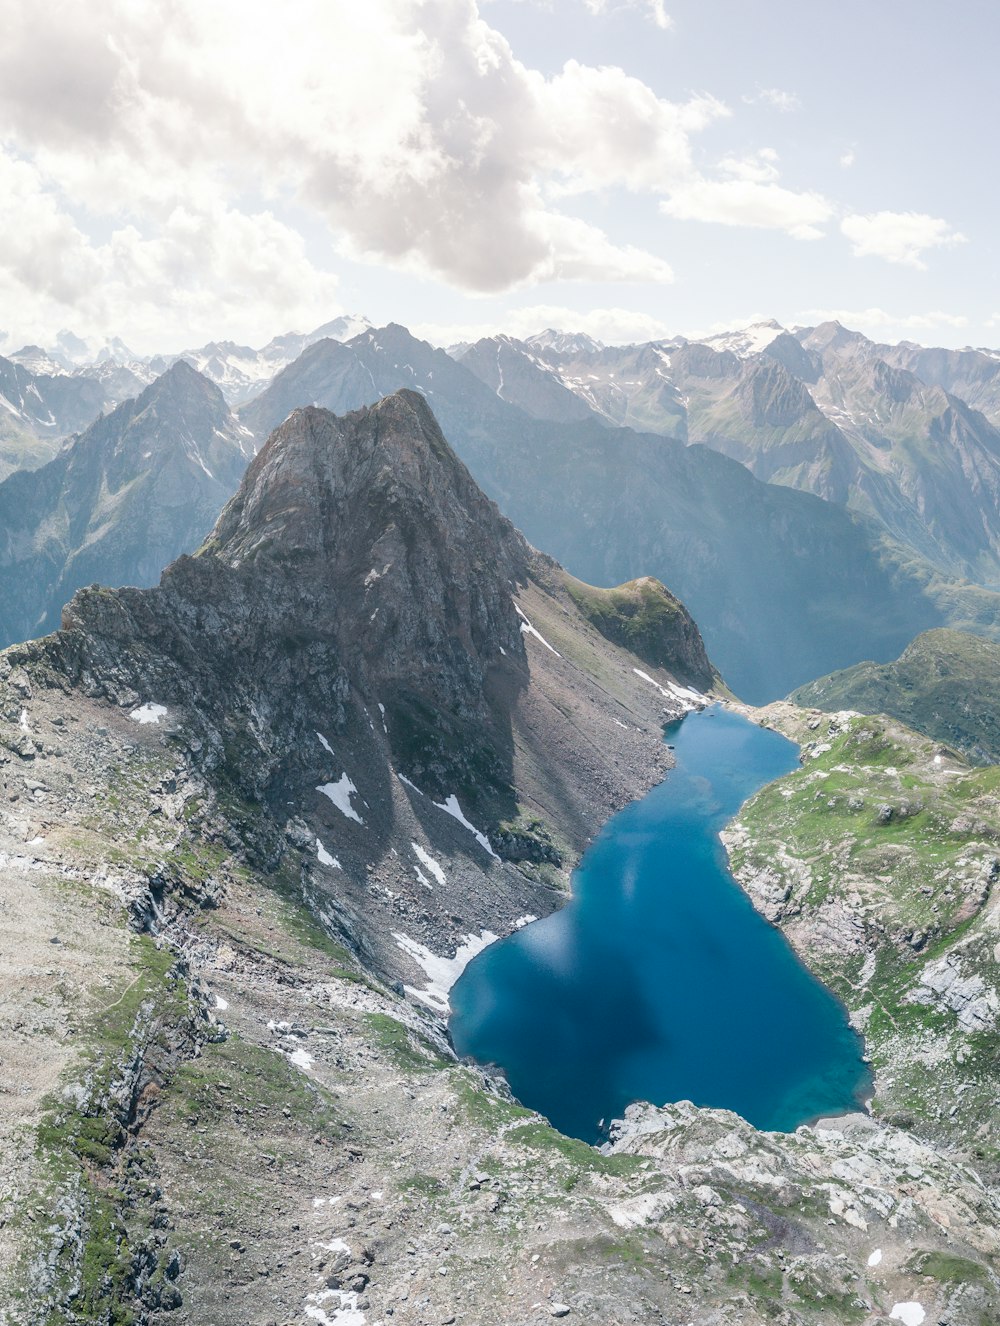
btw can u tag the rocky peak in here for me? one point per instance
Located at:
(358, 569)
(378, 512)
(771, 397)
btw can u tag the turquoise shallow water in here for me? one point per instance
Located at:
(659, 981)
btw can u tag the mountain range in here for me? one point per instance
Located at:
(624, 461)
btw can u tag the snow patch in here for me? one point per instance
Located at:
(302, 1058)
(522, 921)
(875, 1257)
(441, 973)
(426, 859)
(528, 629)
(910, 1314)
(324, 857)
(381, 710)
(221, 1004)
(688, 697)
(324, 743)
(335, 1245)
(340, 794)
(451, 807)
(347, 1313)
(148, 713)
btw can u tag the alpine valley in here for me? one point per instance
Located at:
(325, 663)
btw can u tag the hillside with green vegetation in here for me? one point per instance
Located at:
(946, 684)
(879, 859)
(644, 617)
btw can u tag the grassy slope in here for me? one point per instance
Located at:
(887, 847)
(946, 684)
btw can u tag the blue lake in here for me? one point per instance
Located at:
(659, 981)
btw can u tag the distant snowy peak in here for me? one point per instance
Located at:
(115, 351)
(563, 343)
(344, 328)
(746, 341)
(37, 361)
(241, 372)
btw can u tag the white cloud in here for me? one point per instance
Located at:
(776, 98)
(901, 237)
(612, 326)
(748, 202)
(870, 319)
(760, 167)
(655, 10)
(199, 266)
(408, 126)
(847, 158)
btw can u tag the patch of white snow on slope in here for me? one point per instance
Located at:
(875, 1258)
(426, 859)
(221, 1004)
(324, 857)
(302, 1059)
(324, 743)
(340, 794)
(346, 1314)
(148, 713)
(442, 973)
(451, 807)
(910, 1314)
(685, 694)
(528, 629)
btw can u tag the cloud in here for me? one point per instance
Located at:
(901, 237)
(776, 98)
(847, 158)
(875, 318)
(655, 10)
(749, 202)
(201, 265)
(760, 167)
(612, 326)
(408, 126)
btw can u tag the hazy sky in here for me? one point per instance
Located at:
(173, 171)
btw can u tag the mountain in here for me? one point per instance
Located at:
(566, 378)
(241, 372)
(517, 375)
(945, 684)
(257, 820)
(824, 410)
(781, 583)
(141, 485)
(38, 410)
(119, 381)
(972, 375)
(330, 582)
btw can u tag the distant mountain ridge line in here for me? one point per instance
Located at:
(589, 449)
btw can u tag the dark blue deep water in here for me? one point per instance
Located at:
(659, 981)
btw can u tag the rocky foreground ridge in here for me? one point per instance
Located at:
(253, 822)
